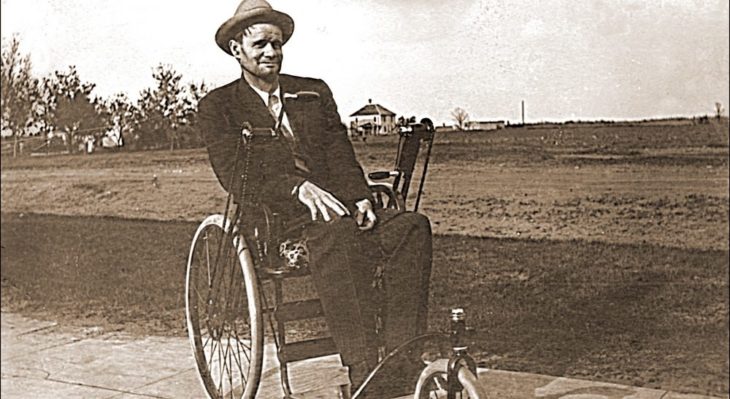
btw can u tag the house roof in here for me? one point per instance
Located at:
(373, 109)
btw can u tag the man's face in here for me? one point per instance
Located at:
(259, 51)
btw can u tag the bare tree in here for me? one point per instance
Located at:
(168, 110)
(71, 108)
(718, 110)
(461, 117)
(121, 115)
(76, 115)
(163, 107)
(192, 95)
(19, 91)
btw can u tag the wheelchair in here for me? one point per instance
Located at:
(234, 255)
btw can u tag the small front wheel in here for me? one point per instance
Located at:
(223, 311)
(433, 383)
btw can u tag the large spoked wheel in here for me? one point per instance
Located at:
(223, 311)
(432, 384)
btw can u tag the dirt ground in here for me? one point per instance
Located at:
(597, 252)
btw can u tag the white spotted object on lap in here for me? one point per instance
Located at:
(294, 253)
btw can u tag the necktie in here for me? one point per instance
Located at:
(276, 109)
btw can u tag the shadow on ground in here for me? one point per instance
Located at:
(633, 314)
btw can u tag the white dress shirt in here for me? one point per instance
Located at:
(265, 96)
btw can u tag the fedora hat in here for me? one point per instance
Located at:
(251, 12)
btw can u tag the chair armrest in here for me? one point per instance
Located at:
(384, 196)
(385, 188)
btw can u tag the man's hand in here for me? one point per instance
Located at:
(320, 202)
(365, 216)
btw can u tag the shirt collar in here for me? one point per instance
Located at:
(265, 95)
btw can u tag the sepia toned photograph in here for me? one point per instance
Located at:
(365, 199)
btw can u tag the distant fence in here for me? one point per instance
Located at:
(25, 144)
(33, 145)
(700, 120)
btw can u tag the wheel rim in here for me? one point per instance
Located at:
(435, 387)
(223, 324)
(433, 384)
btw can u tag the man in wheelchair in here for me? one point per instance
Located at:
(303, 168)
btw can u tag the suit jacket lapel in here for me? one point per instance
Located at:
(250, 107)
(296, 117)
(293, 108)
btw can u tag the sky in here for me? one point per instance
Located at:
(568, 60)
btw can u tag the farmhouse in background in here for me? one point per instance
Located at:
(372, 119)
(484, 125)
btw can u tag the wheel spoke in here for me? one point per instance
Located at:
(220, 369)
(200, 298)
(237, 358)
(227, 368)
(207, 339)
(231, 360)
(202, 261)
(239, 344)
(242, 342)
(246, 348)
(212, 355)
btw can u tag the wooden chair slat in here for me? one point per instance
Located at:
(296, 351)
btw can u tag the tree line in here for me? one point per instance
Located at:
(60, 106)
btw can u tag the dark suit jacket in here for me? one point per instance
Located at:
(271, 172)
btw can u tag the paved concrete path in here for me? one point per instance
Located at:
(40, 361)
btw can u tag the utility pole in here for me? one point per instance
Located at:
(523, 112)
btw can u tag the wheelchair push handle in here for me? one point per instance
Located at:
(382, 175)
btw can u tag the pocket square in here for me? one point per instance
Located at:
(302, 95)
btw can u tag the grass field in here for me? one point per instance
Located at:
(659, 185)
(597, 252)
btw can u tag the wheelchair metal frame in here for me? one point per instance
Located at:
(256, 243)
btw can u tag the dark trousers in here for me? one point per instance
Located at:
(343, 263)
